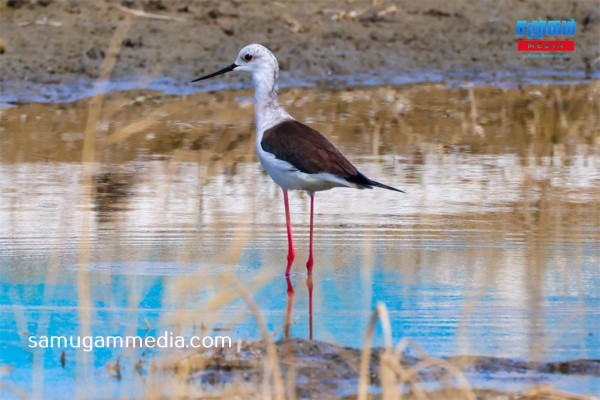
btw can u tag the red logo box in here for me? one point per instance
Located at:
(550, 46)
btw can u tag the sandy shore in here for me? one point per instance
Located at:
(329, 42)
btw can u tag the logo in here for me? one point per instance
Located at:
(538, 29)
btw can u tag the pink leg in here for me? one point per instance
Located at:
(291, 254)
(309, 263)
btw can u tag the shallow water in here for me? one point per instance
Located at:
(493, 250)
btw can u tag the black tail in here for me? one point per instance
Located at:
(365, 183)
(381, 185)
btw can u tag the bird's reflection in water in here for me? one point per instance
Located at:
(290, 305)
(112, 192)
(291, 294)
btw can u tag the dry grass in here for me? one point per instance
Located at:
(397, 381)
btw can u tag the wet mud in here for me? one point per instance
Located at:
(327, 371)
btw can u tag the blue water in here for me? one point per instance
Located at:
(429, 314)
(80, 88)
(154, 267)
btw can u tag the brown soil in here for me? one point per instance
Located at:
(327, 371)
(49, 41)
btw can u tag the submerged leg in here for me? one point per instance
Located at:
(291, 255)
(309, 263)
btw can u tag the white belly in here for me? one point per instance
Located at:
(288, 177)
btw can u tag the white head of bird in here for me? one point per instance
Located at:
(260, 62)
(262, 65)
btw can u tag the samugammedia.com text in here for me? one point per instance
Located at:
(166, 340)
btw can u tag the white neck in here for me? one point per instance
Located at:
(267, 111)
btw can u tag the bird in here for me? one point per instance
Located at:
(296, 156)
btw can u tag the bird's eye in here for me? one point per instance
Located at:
(248, 57)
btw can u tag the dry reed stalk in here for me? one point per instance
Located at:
(272, 360)
(88, 158)
(365, 357)
(95, 105)
(44, 319)
(455, 372)
(143, 14)
(476, 128)
(229, 290)
(391, 367)
(290, 376)
(391, 364)
(131, 129)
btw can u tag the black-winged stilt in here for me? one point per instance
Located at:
(296, 156)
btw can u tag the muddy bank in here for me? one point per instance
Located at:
(326, 42)
(324, 370)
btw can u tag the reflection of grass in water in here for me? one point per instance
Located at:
(415, 122)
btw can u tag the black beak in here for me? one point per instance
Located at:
(223, 71)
